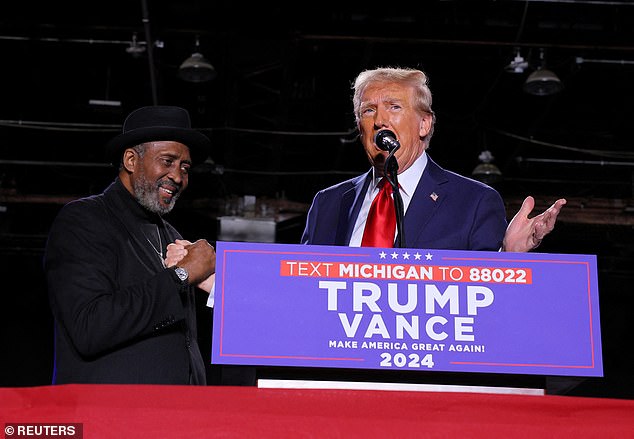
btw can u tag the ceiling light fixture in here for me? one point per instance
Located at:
(518, 64)
(196, 68)
(543, 82)
(486, 171)
(135, 49)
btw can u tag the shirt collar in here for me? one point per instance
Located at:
(408, 179)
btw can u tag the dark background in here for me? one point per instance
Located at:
(279, 116)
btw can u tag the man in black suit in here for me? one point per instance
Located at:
(121, 315)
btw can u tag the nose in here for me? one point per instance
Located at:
(381, 119)
(178, 175)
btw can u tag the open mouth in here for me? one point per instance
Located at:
(167, 194)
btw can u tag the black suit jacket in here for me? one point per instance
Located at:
(120, 317)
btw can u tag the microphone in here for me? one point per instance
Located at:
(386, 140)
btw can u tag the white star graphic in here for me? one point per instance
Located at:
(394, 255)
(382, 255)
(405, 255)
(417, 256)
(429, 256)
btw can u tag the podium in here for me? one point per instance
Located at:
(319, 314)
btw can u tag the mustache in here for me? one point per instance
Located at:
(169, 184)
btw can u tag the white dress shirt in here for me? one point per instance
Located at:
(408, 180)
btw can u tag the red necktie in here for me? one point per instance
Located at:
(381, 223)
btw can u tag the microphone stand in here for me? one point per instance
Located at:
(391, 173)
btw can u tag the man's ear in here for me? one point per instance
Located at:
(130, 158)
(424, 127)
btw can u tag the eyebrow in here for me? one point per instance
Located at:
(173, 156)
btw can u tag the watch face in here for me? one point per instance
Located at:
(181, 273)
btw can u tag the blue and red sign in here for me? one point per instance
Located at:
(407, 309)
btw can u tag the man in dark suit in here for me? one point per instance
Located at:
(122, 316)
(442, 210)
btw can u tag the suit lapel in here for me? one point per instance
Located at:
(351, 202)
(425, 203)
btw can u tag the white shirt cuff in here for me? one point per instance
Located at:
(210, 299)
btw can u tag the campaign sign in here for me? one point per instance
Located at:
(406, 309)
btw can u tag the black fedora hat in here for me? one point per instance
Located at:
(159, 123)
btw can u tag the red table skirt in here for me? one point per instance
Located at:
(250, 412)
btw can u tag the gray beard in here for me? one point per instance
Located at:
(146, 194)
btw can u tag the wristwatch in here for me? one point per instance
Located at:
(182, 274)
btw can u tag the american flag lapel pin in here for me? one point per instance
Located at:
(433, 196)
